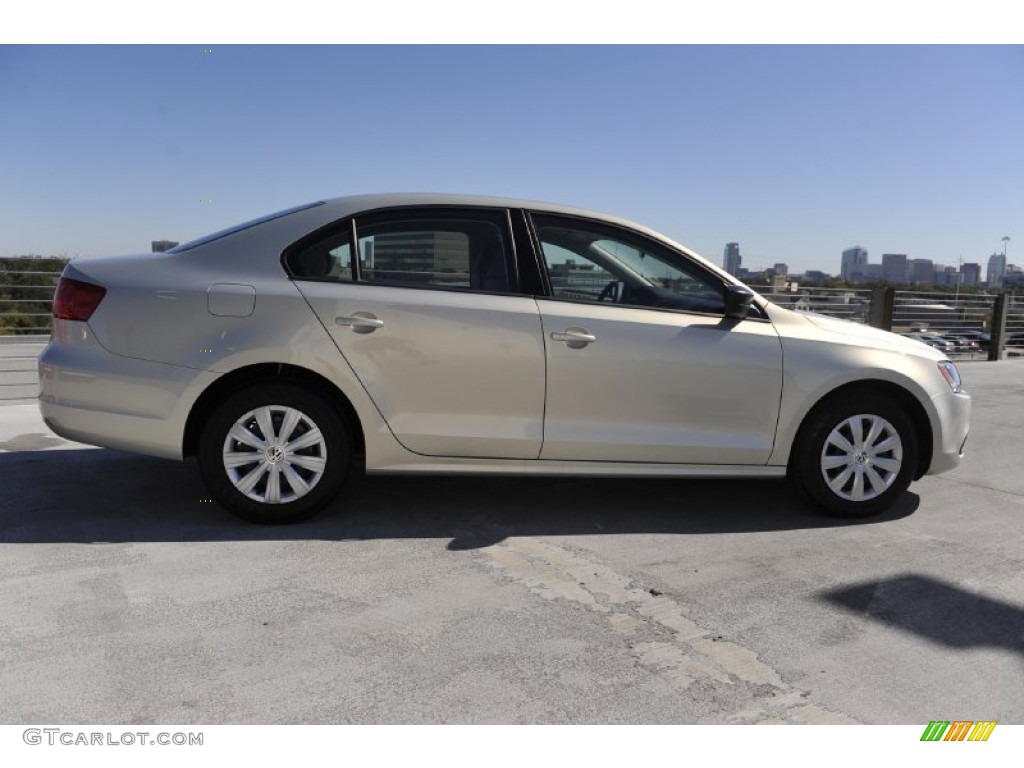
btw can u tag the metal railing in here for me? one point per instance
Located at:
(845, 303)
(26, 299)
(942, 312)
(1013, 336)
(994, 320)
(25, 307)
(970, 321)
(964, 319)
(19, 374)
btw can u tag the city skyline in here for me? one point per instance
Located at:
(855, 266)
(796, 151)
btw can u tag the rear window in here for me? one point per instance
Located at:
(240, 227)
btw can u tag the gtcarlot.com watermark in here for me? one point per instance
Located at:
(55, 736)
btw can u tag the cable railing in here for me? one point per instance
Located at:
(961, 324)
(942, 312)
(1014, 334)
(852, 304)
(19, 374)
(26, 298)
(958, 323)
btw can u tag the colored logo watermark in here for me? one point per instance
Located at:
(958, 730)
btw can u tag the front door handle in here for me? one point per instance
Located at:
(574, 338)
(360, 322)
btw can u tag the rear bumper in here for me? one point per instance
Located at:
(92, 396)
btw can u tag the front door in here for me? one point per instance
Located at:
(642, 364)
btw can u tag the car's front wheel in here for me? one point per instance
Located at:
(274, 453)
(855, 455)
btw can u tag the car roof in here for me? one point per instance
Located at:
(351, 204)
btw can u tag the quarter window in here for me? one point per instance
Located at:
(329, 258)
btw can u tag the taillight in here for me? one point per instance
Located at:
(75, 300)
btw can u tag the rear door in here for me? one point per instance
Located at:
(426, 309)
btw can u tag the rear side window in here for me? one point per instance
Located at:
(454, 249)
(443, 254)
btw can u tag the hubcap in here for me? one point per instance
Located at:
(861, 457)
(274, 454)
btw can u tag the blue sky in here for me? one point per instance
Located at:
(797, 152)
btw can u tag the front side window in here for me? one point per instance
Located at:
(591, 262)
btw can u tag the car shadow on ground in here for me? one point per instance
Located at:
(97, 495)
(935, 610)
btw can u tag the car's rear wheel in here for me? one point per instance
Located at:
(274, 453)
(855, 455)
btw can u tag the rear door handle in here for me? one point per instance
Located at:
(360, 322)
(574, 338)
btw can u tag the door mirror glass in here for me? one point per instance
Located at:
(738, 299)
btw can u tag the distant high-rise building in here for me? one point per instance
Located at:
(894, 267)
(996, 270)
(920, 271)
(1013, 277)
(853, 261)
(732, 259)
(159, 246)
(970, 274)
(945, 275)
(868, 273)
(781, 269)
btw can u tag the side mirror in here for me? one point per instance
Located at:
(738, 299)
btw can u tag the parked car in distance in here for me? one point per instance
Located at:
(461, 334)
(933, 340)
(961, 343)
(980, 338)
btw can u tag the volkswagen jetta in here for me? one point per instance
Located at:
(437, 333)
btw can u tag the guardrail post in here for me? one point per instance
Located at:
(998, 330)
(883, 299)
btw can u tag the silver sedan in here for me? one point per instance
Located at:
(457, 334)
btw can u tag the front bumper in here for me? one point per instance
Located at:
(950, 426)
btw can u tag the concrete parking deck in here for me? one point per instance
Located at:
(127, 596)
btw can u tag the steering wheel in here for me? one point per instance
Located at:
(610, 292)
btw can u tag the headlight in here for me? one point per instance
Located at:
(950, 374)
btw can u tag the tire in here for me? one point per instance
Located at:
(289, 478)
(855, 455)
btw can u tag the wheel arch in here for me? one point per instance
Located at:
(276, 373)
(913, 407)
